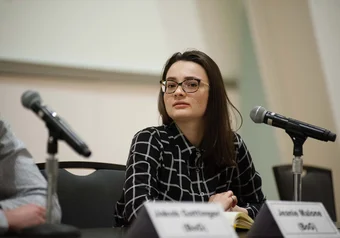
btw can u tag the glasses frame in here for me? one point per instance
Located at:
(163, 83)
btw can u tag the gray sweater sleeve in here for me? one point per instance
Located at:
(3, 222)
(20, 179)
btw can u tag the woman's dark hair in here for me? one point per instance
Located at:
(218, 139)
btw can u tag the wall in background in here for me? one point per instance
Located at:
(105, 114)
(98, 66)
(325, 19)
(293, 78)
(97, 63)
(123, 36)
(260, 139)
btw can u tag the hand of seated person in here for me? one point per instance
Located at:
(226, 199)
(229, 202)
(25, 216)
(239, 209)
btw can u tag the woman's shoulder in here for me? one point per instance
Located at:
(156, 132)
(156, 136)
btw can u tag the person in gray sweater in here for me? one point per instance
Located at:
(23, 189)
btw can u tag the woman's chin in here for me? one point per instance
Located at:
(181, 116)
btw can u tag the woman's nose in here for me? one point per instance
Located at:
(179, 91)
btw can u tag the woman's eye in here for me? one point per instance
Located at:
(171, 85)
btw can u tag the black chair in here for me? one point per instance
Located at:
(317, 186)
(89, 201)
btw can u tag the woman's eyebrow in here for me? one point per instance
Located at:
(187, 77)
(170, 79)
(191, 77)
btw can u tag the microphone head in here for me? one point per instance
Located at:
(257, 114)
(331, 136)
(29, 98)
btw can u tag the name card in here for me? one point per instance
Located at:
(302, 219)
(179, 220)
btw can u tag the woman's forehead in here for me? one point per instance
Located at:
(186, 69)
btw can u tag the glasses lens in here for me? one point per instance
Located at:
(190, 85)
(170, 86)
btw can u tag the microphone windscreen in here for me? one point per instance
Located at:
(257, 114)
(30, 97)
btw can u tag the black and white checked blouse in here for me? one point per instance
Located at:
(164, 165)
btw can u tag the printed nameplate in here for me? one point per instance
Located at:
(302, 219)
(185, 219)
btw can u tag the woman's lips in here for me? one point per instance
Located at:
(180, 105)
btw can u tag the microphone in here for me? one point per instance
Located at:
(32, 100)
(260, 115)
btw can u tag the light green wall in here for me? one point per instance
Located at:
(259, 138)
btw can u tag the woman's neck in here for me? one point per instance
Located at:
(193, 131)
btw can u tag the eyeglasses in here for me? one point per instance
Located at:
(188, 85)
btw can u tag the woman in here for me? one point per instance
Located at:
(195, 155)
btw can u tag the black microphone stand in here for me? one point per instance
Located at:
(299, 138)
(50, 228)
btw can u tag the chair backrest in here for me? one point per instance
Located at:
(89, 201)
(317, 186)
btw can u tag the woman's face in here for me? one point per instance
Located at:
(181, 105)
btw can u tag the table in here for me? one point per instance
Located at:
(103, 233)
(119, 233)
(110, 233)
